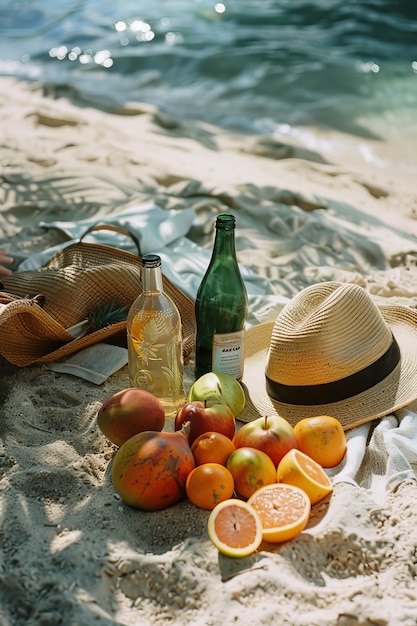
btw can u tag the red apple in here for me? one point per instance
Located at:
(204, 417)
(273, 435)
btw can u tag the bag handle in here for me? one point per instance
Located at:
(116, 229)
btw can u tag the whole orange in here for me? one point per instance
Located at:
(212, 447)
(209, 484)
(322, 438)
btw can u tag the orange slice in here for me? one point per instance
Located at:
(235, 528)
(296, 468)
(284, 511)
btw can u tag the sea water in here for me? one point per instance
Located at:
(276, 67)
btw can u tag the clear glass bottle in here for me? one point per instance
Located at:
(154, 340)
(221, 307)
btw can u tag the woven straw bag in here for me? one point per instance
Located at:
(37, 307)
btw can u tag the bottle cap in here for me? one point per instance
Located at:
(151, 260)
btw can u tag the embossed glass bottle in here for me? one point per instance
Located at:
(154, 340)
(221, 307)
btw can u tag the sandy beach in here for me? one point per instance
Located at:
(71, 552)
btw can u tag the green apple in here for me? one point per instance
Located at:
(218, 387)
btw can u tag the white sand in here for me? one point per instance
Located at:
(71, 552)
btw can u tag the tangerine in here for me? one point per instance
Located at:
(235, 528)
(284, 511)
(297, 468)
(212, 447)
(321, 437)
(209, 484)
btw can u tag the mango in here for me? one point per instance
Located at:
(149, 471)
(129, 412)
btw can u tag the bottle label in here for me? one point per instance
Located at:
(228, 353)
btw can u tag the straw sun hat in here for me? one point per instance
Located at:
(332, 351)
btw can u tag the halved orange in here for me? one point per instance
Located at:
(235, 528)
(296, 468)
(284, 511)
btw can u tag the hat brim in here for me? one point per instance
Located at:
(396, 391)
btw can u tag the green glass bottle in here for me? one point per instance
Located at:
(221, 307)
(154, 340)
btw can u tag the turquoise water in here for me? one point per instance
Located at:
(257, 65)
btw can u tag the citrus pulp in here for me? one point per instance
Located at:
(297, 468)
(235, 528)
(284, 511)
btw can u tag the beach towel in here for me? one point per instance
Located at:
(165, 233)
(380, 455)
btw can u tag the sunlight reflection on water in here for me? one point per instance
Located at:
(247, 65)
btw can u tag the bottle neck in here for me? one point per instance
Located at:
(152, 279)
(224, 244)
